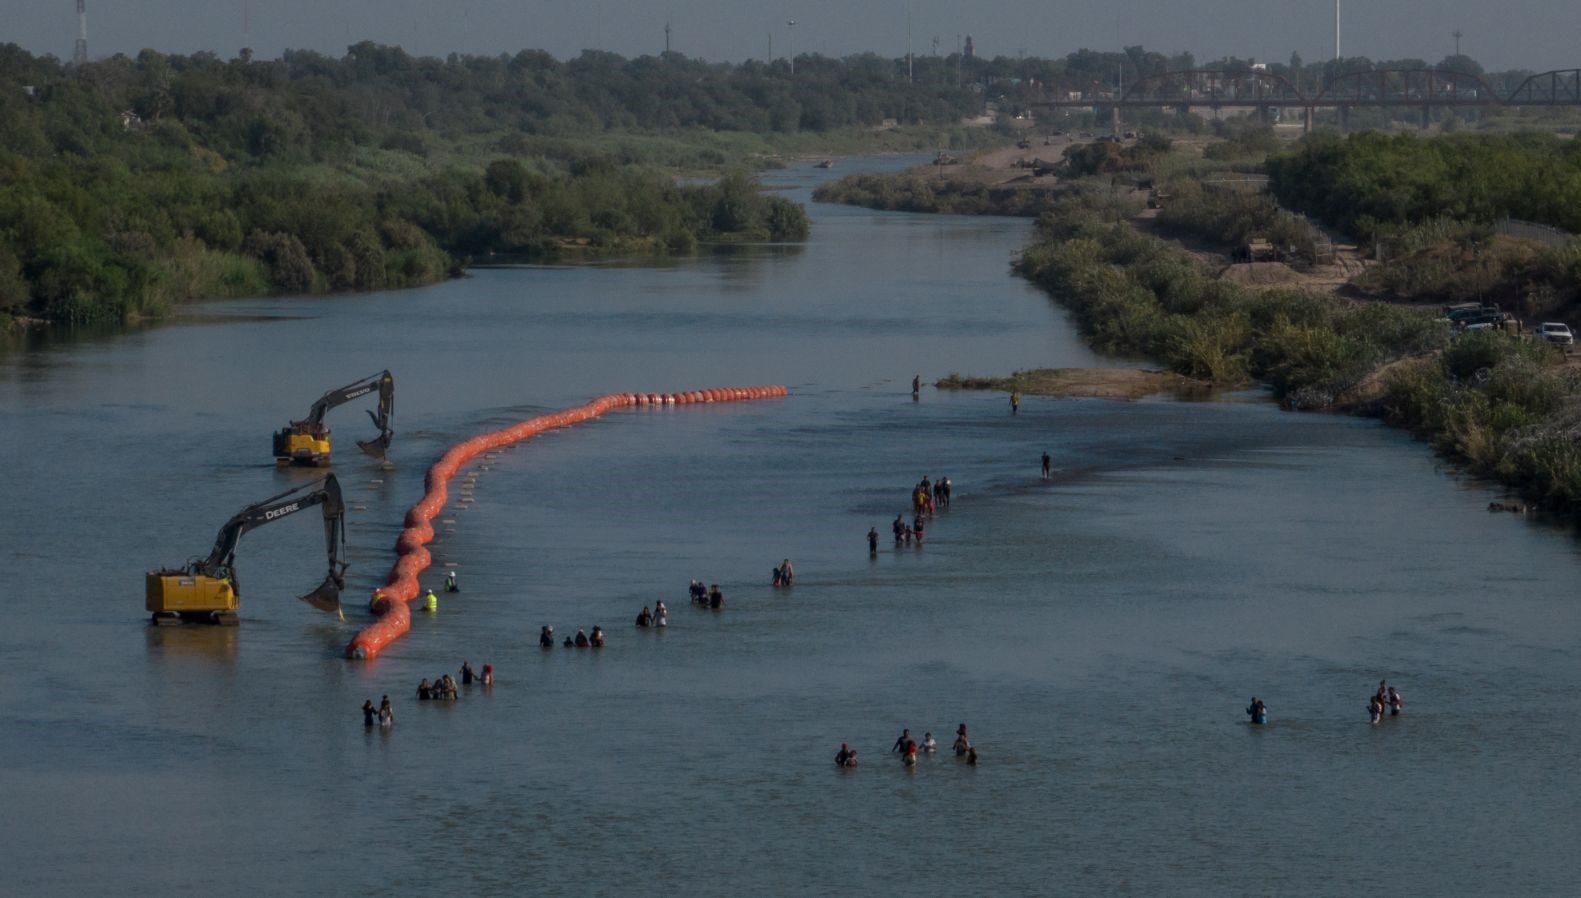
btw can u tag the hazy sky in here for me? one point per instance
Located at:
(1535, 34)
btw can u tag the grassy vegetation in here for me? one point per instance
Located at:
(1231, 218)
(914, 192)
(128, 185)
(1374, 184)
(1464, 262)
(697, 151)
(1509, 407)
(1137, 295)
(1430, 203)
(82, 240)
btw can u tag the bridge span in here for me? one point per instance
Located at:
(1424, 89)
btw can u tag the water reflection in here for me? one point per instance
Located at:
(204, 641)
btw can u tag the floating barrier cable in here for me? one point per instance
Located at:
(411, 547)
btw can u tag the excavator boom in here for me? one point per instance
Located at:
(207, 587)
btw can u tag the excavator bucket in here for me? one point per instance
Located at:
(376, 447)
(326, 597)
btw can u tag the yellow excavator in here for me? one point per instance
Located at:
(206, 591)
(306, 442)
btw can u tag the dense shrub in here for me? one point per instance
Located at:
(1232, 218)
(309, 173)
(1135, 295)
(1370, 183)
(1508, 406)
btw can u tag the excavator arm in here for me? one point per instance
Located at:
(381, 418)
(220, 562)
(313, 424)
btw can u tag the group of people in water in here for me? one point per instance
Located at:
(927, 497)
(1387, 698)
(908, 749)
(581, 641)
(707, 596)
(443, 688)
(658, 617)
(383, 715)
(783, 574)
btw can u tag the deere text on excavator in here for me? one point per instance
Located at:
(306, 442)
(206, 590)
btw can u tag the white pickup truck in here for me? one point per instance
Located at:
(1556, 333)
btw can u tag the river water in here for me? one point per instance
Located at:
(1099, 632)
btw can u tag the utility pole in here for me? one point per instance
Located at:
(908, 44)
(1336, 31)
(792, 24)
(666, 38)
(1119, 92)
(79, 54)
(1456, 35)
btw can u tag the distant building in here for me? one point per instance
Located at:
(971, 49)
(131, 121)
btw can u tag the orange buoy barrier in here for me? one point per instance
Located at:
(412, 557)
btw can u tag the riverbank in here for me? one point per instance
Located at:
(389, 219)
(1501, 405)
(1504, 405)
(127, 186)
(300, 230)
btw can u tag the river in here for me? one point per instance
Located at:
(1100, 632)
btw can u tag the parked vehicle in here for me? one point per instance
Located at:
(1469, 312)
(1479, 321)
(1556, 333)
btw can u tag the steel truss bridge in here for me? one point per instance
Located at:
(1424, 89)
